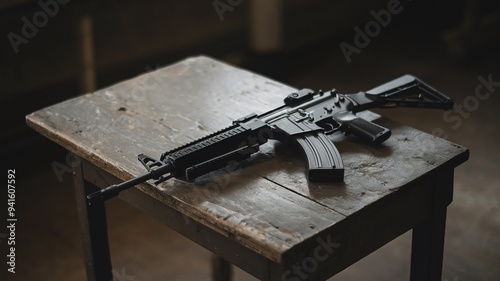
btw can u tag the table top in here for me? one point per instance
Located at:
(268, 205)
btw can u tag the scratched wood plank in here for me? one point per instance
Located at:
(268, 205)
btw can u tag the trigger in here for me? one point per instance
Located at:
(330, 128)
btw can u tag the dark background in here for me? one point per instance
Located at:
(446, 43)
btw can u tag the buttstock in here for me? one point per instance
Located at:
(409, 91)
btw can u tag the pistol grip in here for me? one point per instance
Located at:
(360, 127)
(323, 159)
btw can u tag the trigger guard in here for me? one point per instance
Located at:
(332, 130)
(329, 127)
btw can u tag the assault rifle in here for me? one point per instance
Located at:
(306, 118)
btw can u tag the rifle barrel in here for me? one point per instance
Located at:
(113, 190)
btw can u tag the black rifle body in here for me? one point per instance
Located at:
(306, 118)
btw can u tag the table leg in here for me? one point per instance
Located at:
(221, 269)
(94, 231)
(428, 236)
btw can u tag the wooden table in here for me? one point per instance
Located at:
(265, 218)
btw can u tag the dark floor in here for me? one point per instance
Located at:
(48, 240)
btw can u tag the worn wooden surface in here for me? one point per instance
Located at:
(267, 206)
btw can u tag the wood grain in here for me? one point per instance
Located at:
(267, 206)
